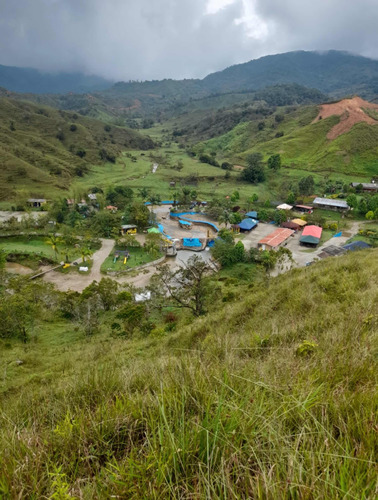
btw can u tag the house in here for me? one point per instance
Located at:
(311, 236)
(356, 245)
(252, 214)
(291, 225)
(111, 208)
(36, 202)
(284, 206)
(247, 224)
(92, 196)
(172, 184)
(275, 239)
(331, 204)
(366, 186)
(304, 209)
(300, 222)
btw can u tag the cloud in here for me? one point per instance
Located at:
(154, 39)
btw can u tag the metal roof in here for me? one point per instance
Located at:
(331, 202)
(300, 222)
(356, 245)
(315, 231)
(247, 224)
(277, 237)
(366, 185)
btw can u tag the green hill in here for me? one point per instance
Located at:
(42, 149)
(271, 394)
(334, 72)
(303, 144)
(31, 80)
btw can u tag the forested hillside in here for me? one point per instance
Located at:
(31, 80)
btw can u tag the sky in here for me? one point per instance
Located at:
(156, 39)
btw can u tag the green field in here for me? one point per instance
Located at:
(137, 257)
(35, 246)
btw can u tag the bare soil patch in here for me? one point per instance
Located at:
(351, 111)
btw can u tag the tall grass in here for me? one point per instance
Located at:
(231, 405)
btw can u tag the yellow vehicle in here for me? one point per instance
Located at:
(128, 229)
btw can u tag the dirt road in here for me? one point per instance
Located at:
(76, 281)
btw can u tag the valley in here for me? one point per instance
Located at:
(188, 283)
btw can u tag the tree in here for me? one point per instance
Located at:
(306, 185)
(291, 199)
(225, 217)
(362, 206)
(369, 215)
(144, 193)
(54, 241)
(274, 162)
(254, 172)
(187, 287)
(85, 251)
(352, 200)
(138, 214)
(154, 199)
(280, 216)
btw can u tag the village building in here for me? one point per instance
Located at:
(300, 222)
(284, 206)
(331, 204)
(247, 224)
(304, 209)
(274, 240)
(356, 245)
(366, 186)
(92, 196)
(36, 202)
(252, 214)
(291, 225)
(311, 236)
(111, 208)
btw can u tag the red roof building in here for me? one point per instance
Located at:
(275, 239)
(311, 235)
(315, 231)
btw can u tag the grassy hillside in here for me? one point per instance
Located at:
(303, 144)
(272, 394)
(42, 149)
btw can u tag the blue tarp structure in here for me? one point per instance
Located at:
(247, 224)
(161, 228)
(191, 242)
(338, 235)
(210, 243)
(194, 221)
(251, 215)
(185, 222)
(356, 245)
(165, 202)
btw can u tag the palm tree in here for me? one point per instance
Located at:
(85, 252)
(226, 217)
(54, 241)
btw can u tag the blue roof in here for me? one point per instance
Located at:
(247, 224)
(191, 242)
(252, 215)
(356, 245)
